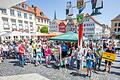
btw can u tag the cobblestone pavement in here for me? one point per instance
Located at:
(10, 67)
(32, 76)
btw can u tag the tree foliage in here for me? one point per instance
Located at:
(44, 29)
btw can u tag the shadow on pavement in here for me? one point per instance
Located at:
(15, 63)
(115, 67)
(76, 74)
(116, 73)
(117, 61)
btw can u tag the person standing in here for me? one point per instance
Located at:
(21, 49)
(111, 51)
(47, 55)
(99, 52)
(34, 45)
(38, 55)
(30, 51)
(73, 56)
(16, 51)
(5, 50)
(89, 62)
(79, 59)
(64, 50)
(91, 44)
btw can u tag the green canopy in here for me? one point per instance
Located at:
(69, 36)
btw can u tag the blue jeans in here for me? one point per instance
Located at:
(39, 57)
(16, 55)
(72, 62)
(78, 64)
(22, 59)
(5, 54)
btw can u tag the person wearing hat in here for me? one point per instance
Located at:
(109, 50)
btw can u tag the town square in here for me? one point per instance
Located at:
(59, 40)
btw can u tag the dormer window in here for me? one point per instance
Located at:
(41, 13)
(24, 6)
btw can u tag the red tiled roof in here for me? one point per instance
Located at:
(39, 13)
(22, 5)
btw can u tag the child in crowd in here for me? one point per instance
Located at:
(89, 62)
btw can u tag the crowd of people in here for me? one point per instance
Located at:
(59, 53)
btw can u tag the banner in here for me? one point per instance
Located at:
(80, 18)
(109, 56)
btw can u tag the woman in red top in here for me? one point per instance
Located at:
(47, 55)
(21, 49)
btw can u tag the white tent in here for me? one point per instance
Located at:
(14, 33)
(2, 33)
(9, 3)
(25, 34)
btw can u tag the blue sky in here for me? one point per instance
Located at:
(110, 9)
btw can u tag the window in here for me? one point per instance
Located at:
(26, 25)
(25, 15)
(115, 29)
(30, 16)
(118, 29)
(31, 25)
(13, 22)
(4, 11)
(5, 22)
(115, 24)
(45, 21)
(48, 21)
(20, 24)
(12, 12)
(38, 20)
(41, 20)
(84, 24)
(119, 24)
(19, 14)
(88, 19)
(90, 29)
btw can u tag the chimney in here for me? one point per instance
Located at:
(32, 6)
